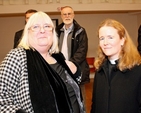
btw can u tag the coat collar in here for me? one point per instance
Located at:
(104, 66)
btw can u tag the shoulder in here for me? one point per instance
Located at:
(16, 54)
(17, 51)
(14, 60)
(137, 67)
(20, 31)
(78, 28)
(59, 27)
(139, 28)
(14, 65)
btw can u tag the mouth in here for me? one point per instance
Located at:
(67, 19)
(107, 48)
(42, 37)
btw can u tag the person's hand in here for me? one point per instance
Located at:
(72, 66)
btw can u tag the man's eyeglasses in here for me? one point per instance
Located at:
(36, 28)
(67, 14)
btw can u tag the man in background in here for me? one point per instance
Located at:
(139, 39)
(18, 34)
(73, 43)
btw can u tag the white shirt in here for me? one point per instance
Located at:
(64, 49)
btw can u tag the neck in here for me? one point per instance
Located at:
(49, 59)
(67, 26)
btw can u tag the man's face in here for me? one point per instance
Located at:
(27, 16)
(67, 15)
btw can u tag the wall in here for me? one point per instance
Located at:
(139, 19)
(89, 21)
(20, 6)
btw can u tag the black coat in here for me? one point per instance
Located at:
(139, 39)
(79, 47)
(48, 92)
(121, 95)
(17, 38)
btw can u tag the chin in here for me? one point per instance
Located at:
(108, 54)
(68, 21)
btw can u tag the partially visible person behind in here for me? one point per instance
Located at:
(73, 41)
(117, 82)
(35, 77)
(139, 39)
(19, 33)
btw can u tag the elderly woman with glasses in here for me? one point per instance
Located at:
(35, 78)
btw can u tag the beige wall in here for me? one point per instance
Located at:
(8, 26)
(11, 6)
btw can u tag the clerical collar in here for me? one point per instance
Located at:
(113, 61)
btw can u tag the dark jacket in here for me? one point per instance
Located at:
(120, 95)
(79, 47)
(17, 38)
(139, 39)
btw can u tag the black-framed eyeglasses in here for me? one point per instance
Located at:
(37, 27)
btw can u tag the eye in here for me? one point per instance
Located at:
(47, 26)
(69, 14)
(101, 38)
(64, 14)
(35, 27)
(110, 37)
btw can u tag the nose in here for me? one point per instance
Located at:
(42, 29)
(105, 41)
(67, 15)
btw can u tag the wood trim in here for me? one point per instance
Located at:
(76, 12)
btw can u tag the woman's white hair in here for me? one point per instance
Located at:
(39, 16)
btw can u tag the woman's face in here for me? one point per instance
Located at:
(110, 42)
(40, 36)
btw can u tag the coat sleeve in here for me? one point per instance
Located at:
(78, 74)
(82, 48)
(9, 80)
